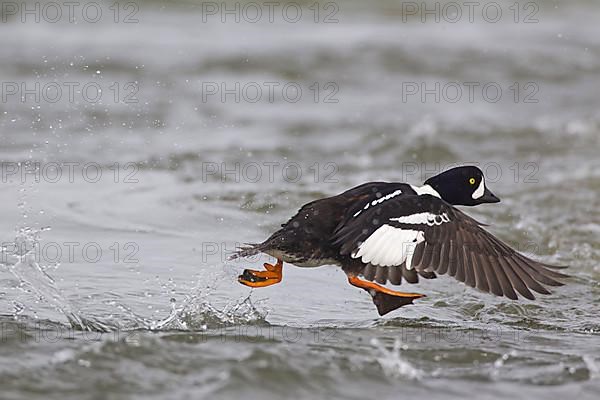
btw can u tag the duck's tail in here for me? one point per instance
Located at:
(247, 250)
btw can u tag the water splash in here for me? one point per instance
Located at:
(392, 363)
(499, 363)
(197, 313)
(19, 259)
(592, 366)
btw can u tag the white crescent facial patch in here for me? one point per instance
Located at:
(479, 191)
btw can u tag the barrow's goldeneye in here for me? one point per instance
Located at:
(386, 232)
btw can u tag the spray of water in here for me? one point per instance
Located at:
(392, 362)
(195, 312)
(20, 261)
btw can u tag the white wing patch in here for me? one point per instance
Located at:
(378, 201)
(479, 191)
(423, 218)
(389, 246)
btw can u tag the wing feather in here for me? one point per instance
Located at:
(507, 288)
(489, 267)
(410, 275)
(525, 277)
(394, 275)
(480, 278)
(456, 245)
(516, 283)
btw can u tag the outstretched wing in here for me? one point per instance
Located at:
(427, 234)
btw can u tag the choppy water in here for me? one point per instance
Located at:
(116, 285)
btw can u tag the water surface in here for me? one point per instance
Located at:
(118, 285)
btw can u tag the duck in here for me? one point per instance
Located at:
(387, 233)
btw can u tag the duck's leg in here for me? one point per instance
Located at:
(271, 275)
(385, 299)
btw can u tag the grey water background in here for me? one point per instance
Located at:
(122, 197)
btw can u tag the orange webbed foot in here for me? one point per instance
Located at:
(355, 281)
(385, 299)
(271, 276)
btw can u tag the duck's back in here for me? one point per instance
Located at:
(305, 239)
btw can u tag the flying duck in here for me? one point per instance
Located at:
(384, 232)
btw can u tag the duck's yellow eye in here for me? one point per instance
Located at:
(472, 181)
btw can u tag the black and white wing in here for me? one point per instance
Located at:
(425, 233)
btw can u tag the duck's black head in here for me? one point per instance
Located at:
(462, 186)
